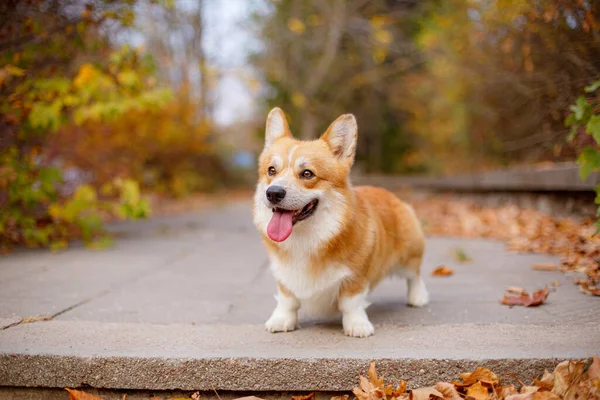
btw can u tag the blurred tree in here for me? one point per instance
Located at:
(448, 85)
(322, 59)
(84, 120)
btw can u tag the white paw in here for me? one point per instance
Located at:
(280, 322)
(417, 294)
(358, 327)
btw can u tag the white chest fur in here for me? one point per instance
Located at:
(316, 291)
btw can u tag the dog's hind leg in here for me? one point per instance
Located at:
(417, 295)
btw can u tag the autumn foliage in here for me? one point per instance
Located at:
(570, 380)
(87, 125)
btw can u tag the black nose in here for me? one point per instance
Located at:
(275, 194)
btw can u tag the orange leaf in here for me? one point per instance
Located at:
(79, 395)
(515, 289)
(310, 396)
(526, 299)
(426, 393)
(372, 373)
(344, 397)
(448, 390)
(442, 271)
(477, 392)
(545, 267)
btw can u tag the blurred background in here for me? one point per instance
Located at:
(106, 104)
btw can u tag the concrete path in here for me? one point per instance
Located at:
(179, 303)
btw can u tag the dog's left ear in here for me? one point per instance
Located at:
(341, 137)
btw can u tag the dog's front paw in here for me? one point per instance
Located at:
(282, 322)
(358, 327)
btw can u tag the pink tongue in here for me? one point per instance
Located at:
(280, 226)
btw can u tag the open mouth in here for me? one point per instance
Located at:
(303, 213)
(282, 221)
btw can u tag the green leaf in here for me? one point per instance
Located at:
(593, 127)
(580, 108)
(592, 88)
(589, 161)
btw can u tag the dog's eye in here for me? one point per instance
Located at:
(307, 174)
(272, 171)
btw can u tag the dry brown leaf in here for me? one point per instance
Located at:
(566, 376)
(526, 299)
(367, 391)
(529, 389)
(594, 370)
(545, 267)
(310, 396)
(372, 373)
(515, 289)
(522, 396)
(197, 394)
(480, 374)
(426, 393)
(506, 391)
(545, 396)
(477, 392)
(448, 391)
(390, 392)
(344, 397)
(80, 395)
(547, 381)
(442, 270)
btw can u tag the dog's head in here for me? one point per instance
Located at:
(303, 185)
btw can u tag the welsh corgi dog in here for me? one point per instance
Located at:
(330, 243)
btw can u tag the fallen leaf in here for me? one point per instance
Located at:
(366, 390)
(372, 374)
(426, 393)
(547, 381)
(461, 256)
(506, 391)
(545, 267)
(545, 396)
(566, 375)
(442, 271)
(448, 391)
(344, 397)
(80, 395)
(526, 299)
(594, 370)
(477, 392)
(515, 289)
(310, 396)
(555, 284)
(480, 374)
(529, 389)
(197, 394)
(522, 396)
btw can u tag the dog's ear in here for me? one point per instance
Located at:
(277, 126)
(341, 137)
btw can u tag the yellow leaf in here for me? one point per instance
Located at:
(296, 26)
(383, 36)
(87, 73)
(298, 99)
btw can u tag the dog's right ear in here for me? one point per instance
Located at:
(277, 126)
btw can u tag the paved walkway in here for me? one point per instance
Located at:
(179, 303)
